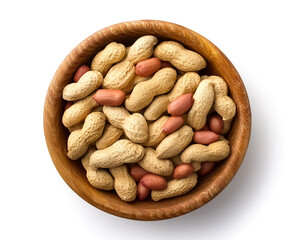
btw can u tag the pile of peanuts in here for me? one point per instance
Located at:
(144, 122)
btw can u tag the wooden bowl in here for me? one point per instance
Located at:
(72, 171)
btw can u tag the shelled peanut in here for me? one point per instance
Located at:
(142, 129)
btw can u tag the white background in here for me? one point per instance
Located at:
(266, 41)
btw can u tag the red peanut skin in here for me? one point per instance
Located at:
(165, 64)
(109, 97)
(216, 124)
(173, 124)
(181, 104)
(206, 167)
(148, 67)
(183, 170)
(80, 71)
(138, 172)
(142, 192)
(154, 182)
(205, 137)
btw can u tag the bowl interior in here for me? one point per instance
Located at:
(72, 171)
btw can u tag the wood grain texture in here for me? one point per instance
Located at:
(72, 171)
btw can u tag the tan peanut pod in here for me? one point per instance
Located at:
(124, 184)
(175, 143)
(122, 151)
(141, 49)
(180, 57)
(78, 111)
(187, 83)
(203, 100)
(213, 152)
(110, 135)
(120, 76)
(144, 92)
(99, 178)
(137, 79)
(226, 127)
(176, 160)
(223, 104)
(176, 187)
(156, 135)
(75, 127)
(79, 140)
(152, 164)
(104, 59)
(88, 82)
(158, 106)
(134, 126)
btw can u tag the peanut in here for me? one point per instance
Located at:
(122, 151)
(223, 104)
(152, 164)
(134, 126)
(89, 82)
(204, 97)
(110, 135)
(142, 192)
(173, 124)
(109, 97)
(214, 152)
(183, 59)
(141, 49)
(80, 71)
(124, 184)
(216, 124)
(121, 75)
(148, 67)
(78, 111)
(176, 187)
(206, 167)
(137, 172)
(104, 59)
(177, 161)
(175, 143)
(181, 104)
(79, 140)
(183, 170)
(153, 182)
(188, 83)
(99, 178)
(156, 135)
(205, 137)
(144, 92)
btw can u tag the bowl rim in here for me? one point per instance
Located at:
(228, 172)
